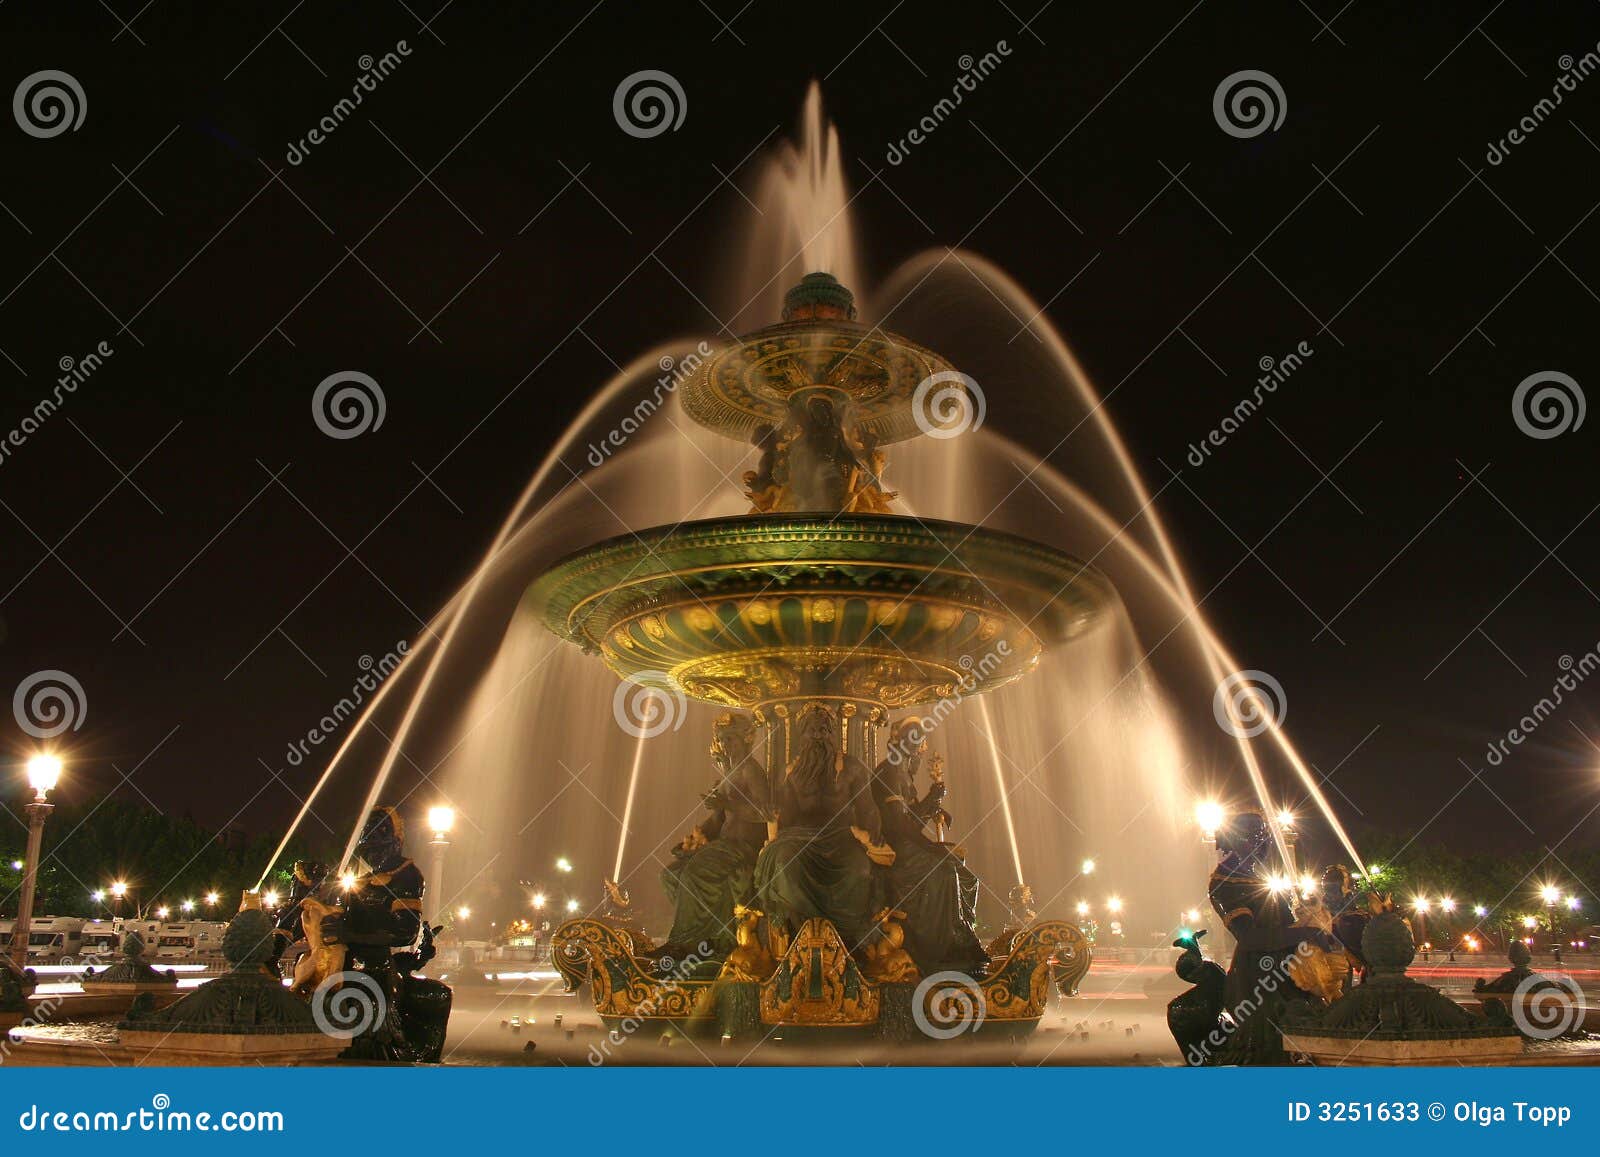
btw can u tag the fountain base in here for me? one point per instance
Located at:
(816, 985)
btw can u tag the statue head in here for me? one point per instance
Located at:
(309, 875)
(1520, 954)
(382, 837)
(1245, 836)
(733, 738)
(817, 724)
(1334, 888)
(908, 741)
(133, 946)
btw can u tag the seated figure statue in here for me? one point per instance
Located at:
(829, 835)
(1261, 981)
(712, 867)
(379, 923)
(928, 881)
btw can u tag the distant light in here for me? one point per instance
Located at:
(1447, 904)
(212, 897)
(1375, 870)
(463, 912)
(44, 771)
(1209, 814)
(1530, 922)
(187, 905)
(1088, 867)
(1114, 904)
(572, 905)
(1574, 903)
(163, 912)
(1479, 910)
(1192, 915)
(97, 895)
(539, 899)
(119, 889)
(1083, 908)
(1278, 883)
(1286, 819)
(269, 899)
(441, 819)
(348, 881)
(1308, 884)
(1550, 893)
(1421, 904)
(563, 865)
(16, 865)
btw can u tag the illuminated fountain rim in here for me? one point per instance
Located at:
(752, 380)
(874, 608)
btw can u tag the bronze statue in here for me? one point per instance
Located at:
(1259, 986)
(1194, 1017)
(380, 925)
(927, 880)
(713, 866)
(829, 836)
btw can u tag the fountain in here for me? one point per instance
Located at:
(791, 618)
(820, 613)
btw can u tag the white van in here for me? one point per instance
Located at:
(190, 940)
(102, 940)
(55, 939)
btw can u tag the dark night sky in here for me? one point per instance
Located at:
(1454, 556)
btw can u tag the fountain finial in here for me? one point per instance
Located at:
(819, 296)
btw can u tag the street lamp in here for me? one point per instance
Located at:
(440, 820)
(572, 905)
(1083, 908)
(563, 864)
(211, 899)
(1209, 814)
(163, 912)
(44, 772)
(187, 906)
(1114, 904)
(1088, 867)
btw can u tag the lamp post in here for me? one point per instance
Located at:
(440, 821)
(44, 770)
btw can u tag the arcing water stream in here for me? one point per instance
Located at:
(1085, 757)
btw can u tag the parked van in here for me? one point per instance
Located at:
(55, 939)
(101, 939)
(190, 939)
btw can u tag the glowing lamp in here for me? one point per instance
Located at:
(44, 772)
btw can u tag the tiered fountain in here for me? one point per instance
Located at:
(820, 613)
